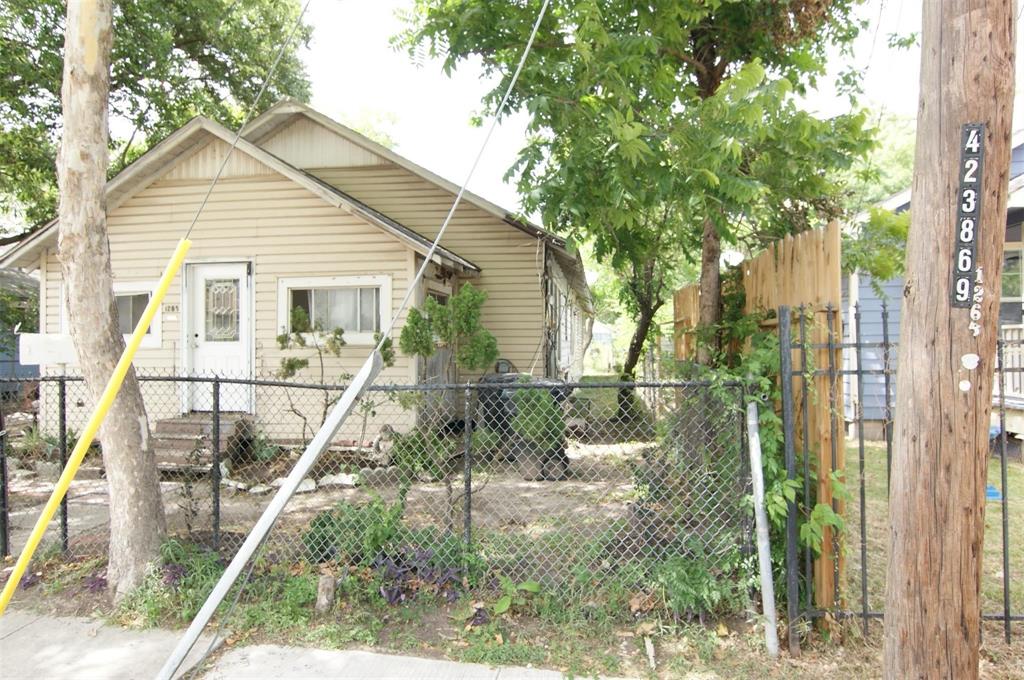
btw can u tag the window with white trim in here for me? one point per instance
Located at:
(131, 298)
(356, 304)
(129, 310)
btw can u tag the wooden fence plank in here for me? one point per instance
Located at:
(794, 271)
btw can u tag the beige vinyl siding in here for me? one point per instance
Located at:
(510, 259)
(284, 230)
(307, 144)
(203, 164)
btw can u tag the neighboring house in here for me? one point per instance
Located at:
(857, 288)
(309, 213)
(23, 290)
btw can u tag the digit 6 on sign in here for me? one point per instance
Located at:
(963, 260)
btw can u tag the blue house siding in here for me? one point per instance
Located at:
(871, 331)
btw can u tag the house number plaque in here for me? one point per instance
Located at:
(965, 266)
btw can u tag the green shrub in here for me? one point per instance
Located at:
(37, 445)
(423, 452)
(352, 534)
(694, 587)
(486, 442)
(538, 418)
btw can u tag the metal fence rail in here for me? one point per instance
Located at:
(538, 481)
(870, 364)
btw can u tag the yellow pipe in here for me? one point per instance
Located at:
(98, 414)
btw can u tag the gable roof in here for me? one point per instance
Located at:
(201, 131)
(286, 111)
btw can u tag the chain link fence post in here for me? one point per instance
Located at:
(467, 472)
(62, 446)
(215, 467)
(5, 522)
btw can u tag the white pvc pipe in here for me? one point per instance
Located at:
(319, 443)
(764, 554)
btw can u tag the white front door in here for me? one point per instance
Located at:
(218, 333)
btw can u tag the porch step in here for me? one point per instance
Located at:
(183, 443)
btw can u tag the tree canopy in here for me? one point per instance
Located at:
(664, 126)
(171, 61)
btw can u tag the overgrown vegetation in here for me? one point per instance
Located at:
(455, 326)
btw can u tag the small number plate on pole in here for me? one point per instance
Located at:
(972, 159)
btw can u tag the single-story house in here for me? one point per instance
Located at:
(857, 288)
(308, 213)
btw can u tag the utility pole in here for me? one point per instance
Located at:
(948, 337)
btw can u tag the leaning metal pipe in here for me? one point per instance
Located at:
(764, 553)
(305, 463)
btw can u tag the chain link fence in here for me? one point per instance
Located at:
(559, 483)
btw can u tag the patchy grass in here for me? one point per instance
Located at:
(594, 624)
(877, 534)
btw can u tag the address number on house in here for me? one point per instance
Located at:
(968, 200)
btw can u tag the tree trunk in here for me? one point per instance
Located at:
(633, 354)
(710, 309)
(944, 383)
(137, 523)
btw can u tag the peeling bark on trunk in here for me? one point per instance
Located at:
(710, 309)
(137, 523)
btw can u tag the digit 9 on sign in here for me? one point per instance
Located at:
(963, 289)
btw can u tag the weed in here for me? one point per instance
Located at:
(64, 575)
(695, 587)
(352, 534)
(492, 645)
(174, 590)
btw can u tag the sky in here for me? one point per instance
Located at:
(357, 76)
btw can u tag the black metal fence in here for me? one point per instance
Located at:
(553, 482)
(865, 373)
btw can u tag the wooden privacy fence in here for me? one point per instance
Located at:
(801, 271)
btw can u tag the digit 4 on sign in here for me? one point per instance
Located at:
(968, 202)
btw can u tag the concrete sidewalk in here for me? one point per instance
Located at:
(37, 647)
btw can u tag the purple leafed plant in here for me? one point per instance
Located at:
(409, 570)
(172, 574)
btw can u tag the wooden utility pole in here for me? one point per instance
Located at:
(137, 521)
(947, 340)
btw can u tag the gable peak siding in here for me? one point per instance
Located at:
(307, 144)
(203, 164)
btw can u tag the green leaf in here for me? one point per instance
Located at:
(502, 605)
(530, 587)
